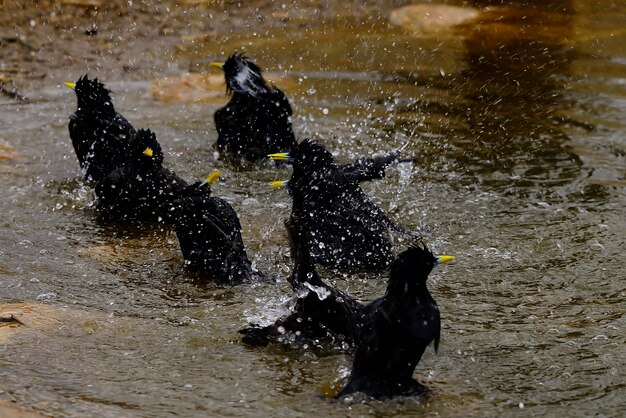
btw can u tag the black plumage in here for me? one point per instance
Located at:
(257, 119)
(347, 230)
(390, 334)
(396, 330)
(209, 234)
(99, 134)
(142, 189)
(320, 312)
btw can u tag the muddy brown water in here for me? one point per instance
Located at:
(520, 142)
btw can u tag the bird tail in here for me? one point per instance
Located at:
(258, 336)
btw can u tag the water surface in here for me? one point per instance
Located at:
(520, 143)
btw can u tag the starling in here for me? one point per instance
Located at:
(347, 231)
(99, 134)
(321, 311)
(209, 234)
(390, 334)
(396, 330)
(142, 189)
(257, 119)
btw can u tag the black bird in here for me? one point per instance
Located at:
(347, 231)
(99, 134)
(390, 334)
(320, 312)
(396, 330)
(209, 234)
(257, 119)
(142, 189)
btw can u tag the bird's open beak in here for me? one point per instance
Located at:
(279, 156)
(70, 84)
(212, 178)
(444, 258)
(148, 152)
(217, 64)
(279, 184)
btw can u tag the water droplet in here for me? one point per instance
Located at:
(322, 293)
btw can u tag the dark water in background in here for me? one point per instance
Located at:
(521, 147)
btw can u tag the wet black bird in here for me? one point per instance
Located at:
(257, 119)
(320, 312)
(390, 334)
(396, 330)
(347, 231)
(99, 134)
(142, 189)
(209, 234)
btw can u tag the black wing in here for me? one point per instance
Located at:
(366, 169)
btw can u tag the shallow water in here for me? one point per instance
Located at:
(520, 173)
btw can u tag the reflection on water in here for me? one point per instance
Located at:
(508, 113)
(517, 125)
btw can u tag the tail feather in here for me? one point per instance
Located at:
(257, 336)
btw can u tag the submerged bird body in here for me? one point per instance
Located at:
(347, 231)
(395, 334)
(209, 233)
(257, 119)
(320, 312)
(100, 136)
(142, 189)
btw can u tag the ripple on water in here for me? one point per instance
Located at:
(519, 172)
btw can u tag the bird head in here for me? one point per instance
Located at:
(411, 268)
(93, 97)
(242, 75)
(186, 208)
(146, 149)
(307, 156)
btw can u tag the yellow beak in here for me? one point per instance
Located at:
(279, 156)
(217, 64)
(279, 184)
(70, 84)
(211, 178)
(148, 152)
(444, 258)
